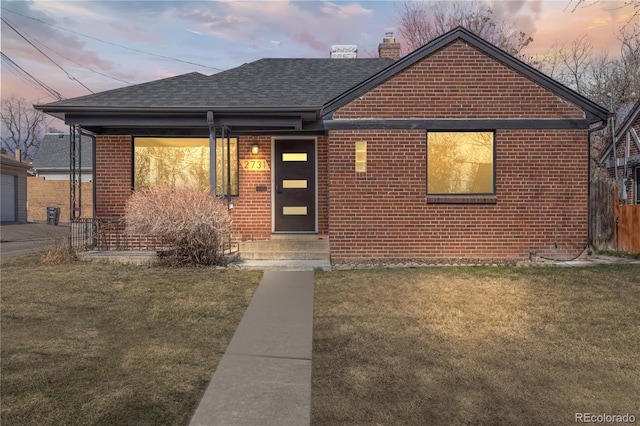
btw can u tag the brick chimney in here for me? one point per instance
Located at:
(389, 48)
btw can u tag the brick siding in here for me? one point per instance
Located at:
(459, 81)
(541, 175)
(541, 200)
(114, 159)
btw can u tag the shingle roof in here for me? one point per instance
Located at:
(264, 83)
(54, 152)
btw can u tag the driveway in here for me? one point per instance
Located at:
(17, 239)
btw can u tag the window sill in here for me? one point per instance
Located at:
(462, 199)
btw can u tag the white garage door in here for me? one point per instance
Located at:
(8, 192)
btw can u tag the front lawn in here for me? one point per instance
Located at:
(102, 344)
(476, 345)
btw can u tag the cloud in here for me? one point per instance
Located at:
(309, 40)
(344, 11)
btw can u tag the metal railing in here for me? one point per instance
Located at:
(106, 234)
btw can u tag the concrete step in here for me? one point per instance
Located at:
(298, 237)
(285, 249)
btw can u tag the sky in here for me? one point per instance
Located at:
(85, 46)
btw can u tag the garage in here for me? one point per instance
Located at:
(13, 190)
(8, 191)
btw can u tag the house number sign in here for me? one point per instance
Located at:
(255, 165)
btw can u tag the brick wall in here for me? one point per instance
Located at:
(541, 192)
(252, 209)
(43, 193)
(541, 175)
(114, 156)
(459, 81)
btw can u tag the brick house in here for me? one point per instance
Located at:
(627, 148)
(456, 151)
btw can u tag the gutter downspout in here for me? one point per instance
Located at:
(223, 171)
(212, 153)
(589, 214)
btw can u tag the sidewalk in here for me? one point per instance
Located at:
(264, 377)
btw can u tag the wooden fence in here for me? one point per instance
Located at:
(628, 228)
(613, 226)
(603, 204)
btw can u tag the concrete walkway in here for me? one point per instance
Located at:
(264, 377)
(17, 239)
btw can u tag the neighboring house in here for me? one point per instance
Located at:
(51, 186)
(14, 189)
(627, 149)
(51, 162)
(456, 151)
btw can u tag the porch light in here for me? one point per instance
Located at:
(255, 148)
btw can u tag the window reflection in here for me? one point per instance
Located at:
(183, 162)
(460, 163)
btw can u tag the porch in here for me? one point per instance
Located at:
(106, 239)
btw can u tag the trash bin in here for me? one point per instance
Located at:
(53, 215)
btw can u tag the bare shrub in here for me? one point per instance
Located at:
(59, 252)
(195, 224)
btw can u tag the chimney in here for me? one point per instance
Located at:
(389, 48)
(18, 154)
(349, 51)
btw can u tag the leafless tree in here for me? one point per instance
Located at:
(422, 21)
(611, 80)
(633, 6)
(23, 127)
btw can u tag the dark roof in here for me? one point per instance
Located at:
(597, 112)
(629, 120)
(53, 153)
(8, 161)
(632, 117)
(266, 83)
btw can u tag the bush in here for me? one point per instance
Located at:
(59, 252)
(195, 224)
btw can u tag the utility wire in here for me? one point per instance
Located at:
(71, 77)
(79, 64)
(113, 44)
(31, 79)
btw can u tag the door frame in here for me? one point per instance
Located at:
(274, 139)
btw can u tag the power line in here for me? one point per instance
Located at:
(79, 64)
(113, 44)
(71, 77)
(15, 68)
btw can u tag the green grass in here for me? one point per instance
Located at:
(475, 345)
(107, 344)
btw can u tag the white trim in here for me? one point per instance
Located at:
(273, 178)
